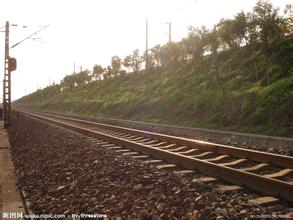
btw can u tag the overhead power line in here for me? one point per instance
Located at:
(30, 36)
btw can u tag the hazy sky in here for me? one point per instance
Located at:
(90, 32)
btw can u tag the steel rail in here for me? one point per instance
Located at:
(259, 156)
(257, 182)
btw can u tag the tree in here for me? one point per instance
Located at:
(214, 44)
(68, 82)
(240, 28)
(108, 72)
(289, 19)
(226, 33)
(268, 22)
(233, 32)
(164, 56)
(196, 43)
(252, 39)
(115, 66)
(82, 78)
(133, 61)
(176, 54)
(98, 72)
(154, 56)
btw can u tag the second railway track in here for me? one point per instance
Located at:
(268, 173)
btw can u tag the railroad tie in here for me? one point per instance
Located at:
(217, 159)
(267, 200)
(202, 155)
(114, 148)
(123, 150)
(255, 167)
(158, 144)
(168, 146)
(153, 161)
(228, 188)
(180, 172)
(234, 163)
(204, 180)
(130, 153)
(140, 157)
(188, 152)
(279, 174)
(166, 166)
(177, 149)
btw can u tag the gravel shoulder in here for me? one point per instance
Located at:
(65, 172)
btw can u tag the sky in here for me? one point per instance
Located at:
(88, 32)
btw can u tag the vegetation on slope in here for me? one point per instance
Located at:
(237, 76)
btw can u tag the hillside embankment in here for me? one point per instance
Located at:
(184, 98)
(218, 79)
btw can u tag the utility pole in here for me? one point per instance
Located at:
(170, 56)
(9, 66)
(170, 31)
(73, 67)
(6, 81)
(146, 49)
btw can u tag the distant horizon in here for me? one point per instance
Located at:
(89, 32)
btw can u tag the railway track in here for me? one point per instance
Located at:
(268, 173)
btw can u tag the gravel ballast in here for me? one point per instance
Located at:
(65, 172)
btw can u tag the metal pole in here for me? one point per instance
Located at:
(7, 111)
(73, 67)
(7, 81)
(170, 31)
(169, 43)
(146, 45)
